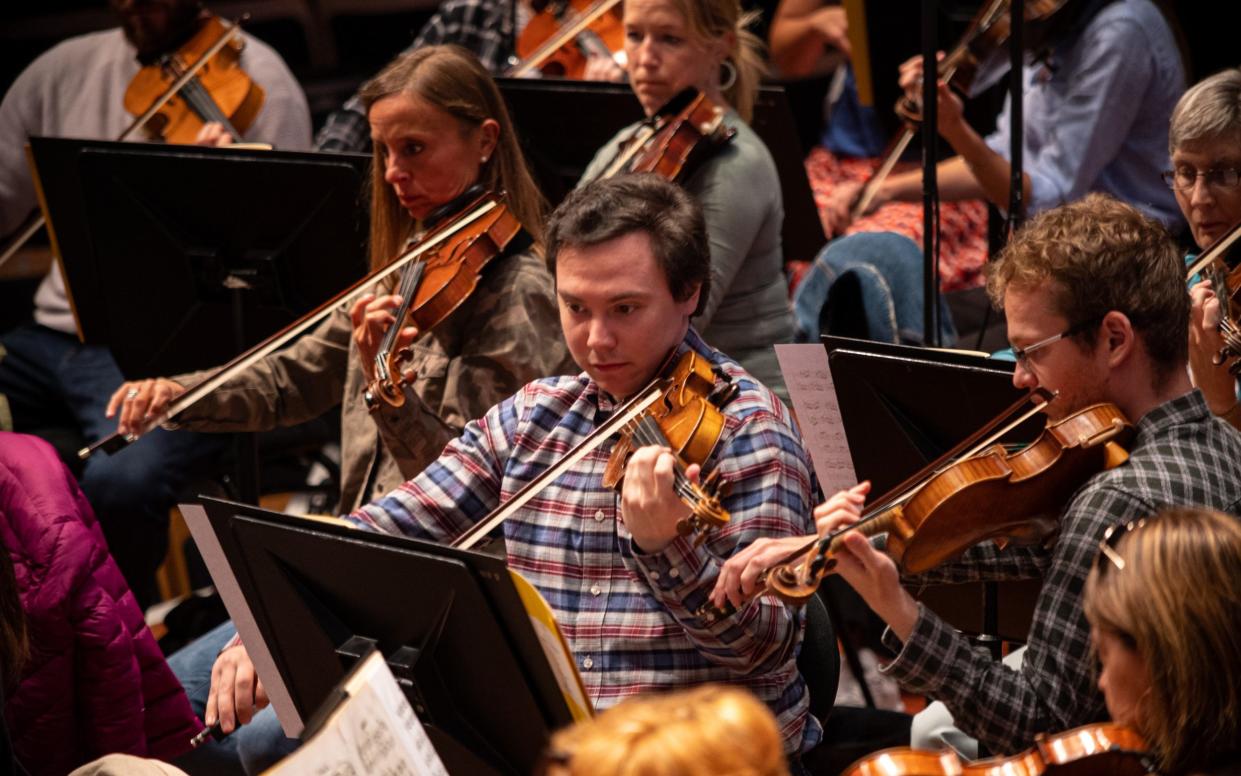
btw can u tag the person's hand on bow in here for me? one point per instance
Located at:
(140, 400)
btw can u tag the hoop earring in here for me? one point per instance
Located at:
(729, 80)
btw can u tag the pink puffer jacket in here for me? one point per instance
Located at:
(96, 681)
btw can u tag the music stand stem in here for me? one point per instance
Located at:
(245, 444)
(930, 180)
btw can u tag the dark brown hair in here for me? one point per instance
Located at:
(603, 210)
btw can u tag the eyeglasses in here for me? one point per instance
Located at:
(1023, 354)
(1111, 539)
(1185, 178)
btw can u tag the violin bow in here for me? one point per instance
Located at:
(996, 428)
(1210, 263)
(114, 442)
(556, 42)
(897, 148)
(632, 409)
(231, 31)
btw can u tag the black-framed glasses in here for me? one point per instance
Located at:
(1023, 354)
(1185, 178)
(1111, 539)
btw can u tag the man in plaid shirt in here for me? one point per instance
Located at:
(1097, 309)
(632, 266)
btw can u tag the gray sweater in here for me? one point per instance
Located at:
(77, 89)
(748, 309)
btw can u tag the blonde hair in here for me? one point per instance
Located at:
(710, 20)
(1177, 602)
(451, 79)
(708, 731)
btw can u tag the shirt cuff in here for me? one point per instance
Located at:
(235, 641)
(676, 569)
(921, 663)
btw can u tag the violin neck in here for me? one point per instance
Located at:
(869, 526)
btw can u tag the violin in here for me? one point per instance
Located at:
(674, 141)
(164, 95)
(439, 282)
(564, 34)
(960, 500)
(1220, 262)
(463, 229)
(987, 32)
(1092, 749)
(688, 421)
(201, 82)
(680, 409)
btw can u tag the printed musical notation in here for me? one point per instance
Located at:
(372, 732)
(813, 396)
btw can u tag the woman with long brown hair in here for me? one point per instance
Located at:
(439, 129)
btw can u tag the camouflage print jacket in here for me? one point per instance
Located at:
(505, 335)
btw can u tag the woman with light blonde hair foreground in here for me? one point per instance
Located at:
(1164, 605)
(709, 731)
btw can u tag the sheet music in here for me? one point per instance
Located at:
(813, 396)
(373, 731)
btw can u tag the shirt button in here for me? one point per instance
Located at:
(588, 663)
(654, 575)
(594, 590)
(599, 515)
(674, 573)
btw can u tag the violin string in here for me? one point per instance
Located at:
(409, 283)
(647, 432)
(197, 97)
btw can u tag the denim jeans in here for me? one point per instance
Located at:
(252, 748)
(49, 378)
(866, 285)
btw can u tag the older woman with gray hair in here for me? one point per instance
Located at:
(1205, 142)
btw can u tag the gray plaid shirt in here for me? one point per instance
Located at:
(485, 27)
(1181, 455)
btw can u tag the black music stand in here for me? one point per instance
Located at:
(600, 110)
(449, 622)
(902, 407)
(178, 258)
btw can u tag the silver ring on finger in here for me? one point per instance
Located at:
(131, 394)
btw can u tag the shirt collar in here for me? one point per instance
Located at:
(1187, 408)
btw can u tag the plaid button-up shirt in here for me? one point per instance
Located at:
(629, 616)
(1181, 456)
(485, 27)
